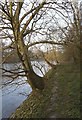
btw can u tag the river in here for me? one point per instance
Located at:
(13, 96)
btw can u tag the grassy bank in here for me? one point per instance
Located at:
(68, 100)
(59, 99)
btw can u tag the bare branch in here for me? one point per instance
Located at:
(32, 16)
(44, 42)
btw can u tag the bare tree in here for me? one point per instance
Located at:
(32, 23)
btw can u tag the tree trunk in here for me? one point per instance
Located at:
(34, 80)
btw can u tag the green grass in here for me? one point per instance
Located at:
(66, 102)
(68, 99)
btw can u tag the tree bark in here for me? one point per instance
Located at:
(34, 80)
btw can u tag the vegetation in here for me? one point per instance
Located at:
(24, 26)
(60, 98)
(54, 29)
(68, 102)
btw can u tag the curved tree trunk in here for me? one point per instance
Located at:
(34, 80)
(18, 32)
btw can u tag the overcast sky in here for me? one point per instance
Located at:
(59, 20)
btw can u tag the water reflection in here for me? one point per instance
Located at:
(14, 95)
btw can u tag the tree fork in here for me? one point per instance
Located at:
(35, 81)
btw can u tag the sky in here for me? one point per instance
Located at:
(62, 23)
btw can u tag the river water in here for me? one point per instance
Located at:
(13, 95)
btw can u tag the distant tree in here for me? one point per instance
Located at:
(72, 50)
(33, 23)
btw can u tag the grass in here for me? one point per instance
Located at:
(66, 99)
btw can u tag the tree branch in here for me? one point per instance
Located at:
(44, 42)
(18, 9)
(32, 16)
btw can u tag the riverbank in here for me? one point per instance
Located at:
(59, 99)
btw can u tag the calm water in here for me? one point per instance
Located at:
(13, 96)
